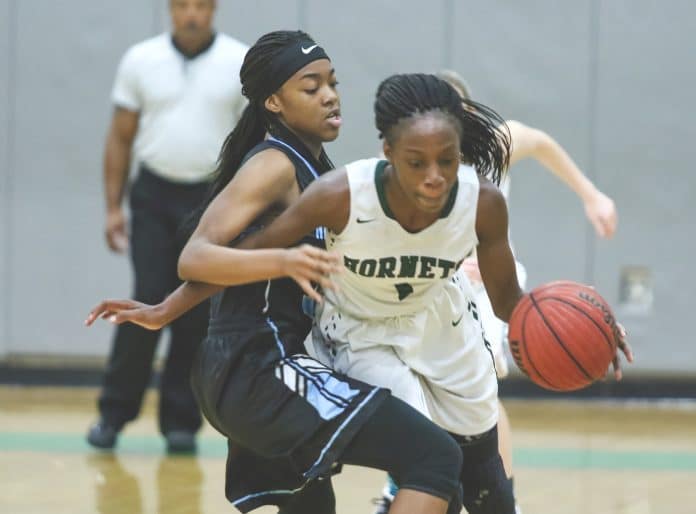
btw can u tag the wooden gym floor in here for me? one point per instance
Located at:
(571, 457)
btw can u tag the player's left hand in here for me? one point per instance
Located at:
(625, 348)
(601, 212)
(147, 316)
(309, 265)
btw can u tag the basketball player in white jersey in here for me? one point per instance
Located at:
(530, 142)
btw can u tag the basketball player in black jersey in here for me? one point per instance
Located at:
(290, 420)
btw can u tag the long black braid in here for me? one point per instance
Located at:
(484, 137)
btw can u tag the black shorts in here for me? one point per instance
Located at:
(287, 417)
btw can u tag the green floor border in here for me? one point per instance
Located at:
(215, 447)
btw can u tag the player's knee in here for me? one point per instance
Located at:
(447, 461)
(437, 471)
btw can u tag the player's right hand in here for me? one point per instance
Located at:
(625, 348)
(122, 311)
(306, 264)
(601, 212)
(115, 231)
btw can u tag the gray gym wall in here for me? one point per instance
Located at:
(611, 80)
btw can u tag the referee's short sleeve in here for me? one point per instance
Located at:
(126, 90)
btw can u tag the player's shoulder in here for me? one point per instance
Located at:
(272, 158)
(490, 196)
(329, 196)
(267, 168)
(334, 180)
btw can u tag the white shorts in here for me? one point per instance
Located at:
(494, 329)
(435, 360)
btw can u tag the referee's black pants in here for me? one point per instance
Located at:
(158, 208)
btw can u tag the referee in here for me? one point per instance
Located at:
(176, 97)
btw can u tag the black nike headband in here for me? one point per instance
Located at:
(288, 62)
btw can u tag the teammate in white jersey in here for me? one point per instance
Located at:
(530, 142)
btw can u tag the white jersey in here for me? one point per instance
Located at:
(403, 316)
(390, 271)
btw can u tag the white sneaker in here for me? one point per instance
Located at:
(382, 505)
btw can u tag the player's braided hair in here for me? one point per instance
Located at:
(484, 137)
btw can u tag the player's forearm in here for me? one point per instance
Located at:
(185, 298)
(504, 302)
(214, 264)
(554, 158)
(117, 157)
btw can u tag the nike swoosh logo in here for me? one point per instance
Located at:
(307, 50)
(455, 323)
(365, 221)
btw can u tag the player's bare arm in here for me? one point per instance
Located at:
(153, 317)
(264, 182)
(207, 258)
(325, 203)
(495, 260)
(529, 142)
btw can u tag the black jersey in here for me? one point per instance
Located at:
(276, 300)
(287, 417)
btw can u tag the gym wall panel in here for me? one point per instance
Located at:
(247, 21)
(530, 61)
(645, 152)
(61, 266)
(7, 41)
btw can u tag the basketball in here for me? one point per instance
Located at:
(563, 335)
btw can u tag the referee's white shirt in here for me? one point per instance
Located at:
(187, 106)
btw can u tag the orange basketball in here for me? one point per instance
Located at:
(563, 335)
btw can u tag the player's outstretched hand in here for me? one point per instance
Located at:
(625, 349)
(601, 212)
(121, 311)
(308, 264)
